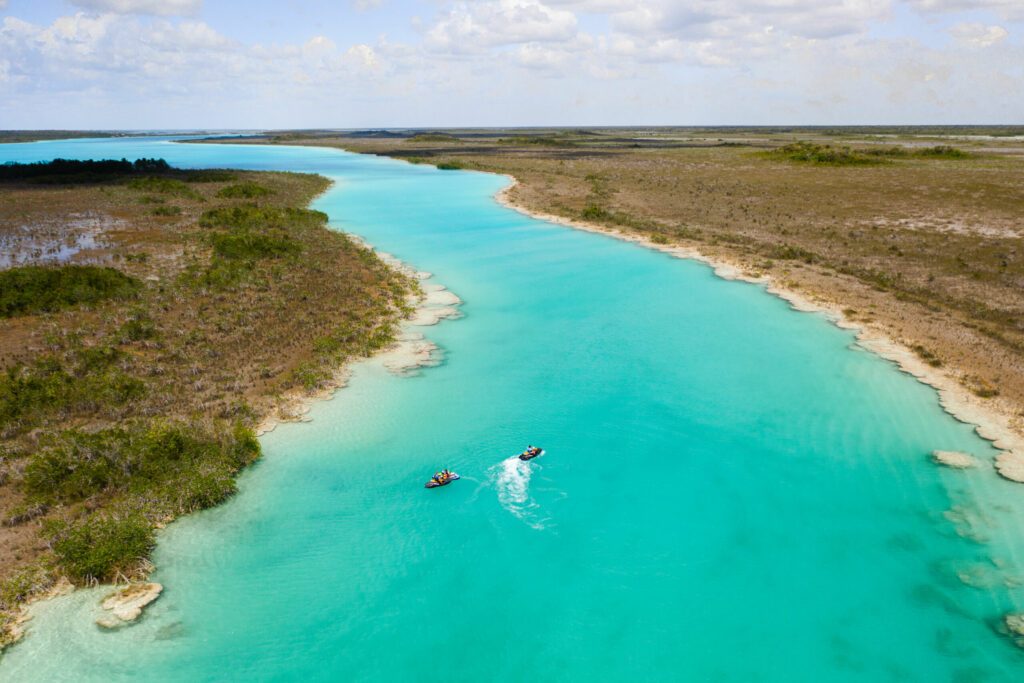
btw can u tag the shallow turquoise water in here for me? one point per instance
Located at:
(732, 491)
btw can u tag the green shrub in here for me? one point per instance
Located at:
(593, 212)
(100, 546)
(138, 327)
(433, 137)
(942, 152)
(789, 252)
(81, 466)
(22, 584)
(256, 217)
(166, 211)
(827, 155)
(249, 244)
(450, 166)
(162, 185)
(210, 175)
(39, 289)
(247, 190)
(539, 140)
(29, 393)
(184, 466)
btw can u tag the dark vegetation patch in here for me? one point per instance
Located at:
(103, 546)
(73, 171)
(433, 137)
(539, 140)
(167, 186)
(250, 244)
(44, 289)
(832, 155)
(247, 190)
(450, 166)
(825, 155)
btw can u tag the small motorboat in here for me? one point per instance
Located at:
(531, 453)
(434, 483)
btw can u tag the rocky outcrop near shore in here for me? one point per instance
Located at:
(954, 459)
(125, 606)
(1010, 465)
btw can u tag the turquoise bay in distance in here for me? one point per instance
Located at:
(731, 490)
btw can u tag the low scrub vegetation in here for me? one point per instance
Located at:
(133, 397)
(167, 186)
(433, 137)
(538, 140)
(829, 155)
(826, 155)
(251, 244)
(248, 190)
(44, 289)
(101, 546)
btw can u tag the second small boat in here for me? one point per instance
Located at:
(531, 452)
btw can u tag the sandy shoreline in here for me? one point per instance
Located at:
(992, 420)
(408, 353)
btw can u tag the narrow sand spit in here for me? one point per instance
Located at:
(992, 420)
(954, 459)
(126, 605)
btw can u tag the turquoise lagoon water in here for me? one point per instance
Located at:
(732, 491)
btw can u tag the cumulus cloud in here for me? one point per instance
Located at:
(978, 35)
(471, 27)
(1010, 9)
(504, 62)
(165, 8)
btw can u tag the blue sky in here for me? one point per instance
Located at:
(357, 63)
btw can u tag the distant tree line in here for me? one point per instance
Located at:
(65, 168)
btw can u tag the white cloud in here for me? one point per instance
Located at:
(1010, 9)
(505, 62)
(471, 27)
(165, 8)
(978, 35)
(707, 18)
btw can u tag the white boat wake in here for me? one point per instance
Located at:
(511, 478)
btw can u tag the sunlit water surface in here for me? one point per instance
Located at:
(731, 492)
